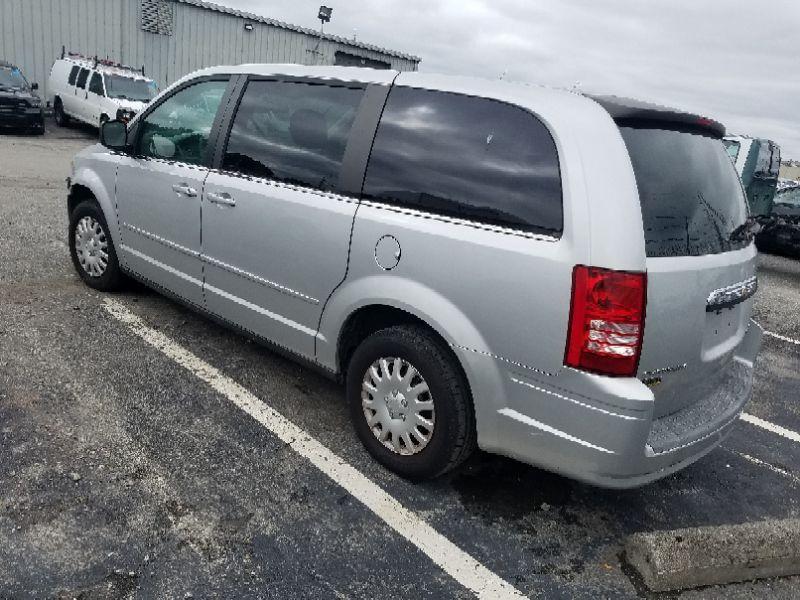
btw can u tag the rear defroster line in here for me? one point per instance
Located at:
(467, 571)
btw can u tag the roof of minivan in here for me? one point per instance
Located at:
(514, 92)
(354, 74)
(494, 88)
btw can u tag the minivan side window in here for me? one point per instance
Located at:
(472, 158)
(178, 129)
(84, 75)
(292, 132)
(73, 74)
(96, 84)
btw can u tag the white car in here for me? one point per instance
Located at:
(95, 91)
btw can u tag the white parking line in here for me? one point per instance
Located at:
(769, 466)
(782, 337)
(455, 562)
(777, 429)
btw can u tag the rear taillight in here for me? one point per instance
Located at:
(606, 321)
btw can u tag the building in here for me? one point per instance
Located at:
(790, 169)
(170, 38)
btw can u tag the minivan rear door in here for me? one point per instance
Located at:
(700, 263)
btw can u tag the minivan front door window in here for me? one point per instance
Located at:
(178, 129)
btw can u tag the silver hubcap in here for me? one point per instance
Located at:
(91, 246)
(398, 405)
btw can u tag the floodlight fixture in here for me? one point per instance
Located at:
(325, 13)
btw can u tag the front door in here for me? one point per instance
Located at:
(276, 230)
(160, 186)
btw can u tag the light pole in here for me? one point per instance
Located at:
(324, 16)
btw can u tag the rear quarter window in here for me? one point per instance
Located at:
(691, 197)
(73, 75)
(472, 158)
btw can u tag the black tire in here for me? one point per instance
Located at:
(40, 128)
(453, 438)
(62, 119)
(112, 278)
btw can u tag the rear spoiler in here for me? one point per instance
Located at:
(627, 110)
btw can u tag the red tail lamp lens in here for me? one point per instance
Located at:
(606, 324)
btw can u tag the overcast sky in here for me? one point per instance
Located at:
(735, 60)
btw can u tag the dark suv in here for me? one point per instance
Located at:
(20, 105)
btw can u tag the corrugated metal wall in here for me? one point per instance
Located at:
(33, 31)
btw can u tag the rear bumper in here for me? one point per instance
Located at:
(601, 430)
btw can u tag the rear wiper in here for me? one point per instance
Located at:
(752, 226)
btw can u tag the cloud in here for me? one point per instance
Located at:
(734, 60)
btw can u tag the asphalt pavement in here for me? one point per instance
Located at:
(125, 474)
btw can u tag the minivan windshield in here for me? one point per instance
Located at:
(11, 77)
(692, 200)
(128, 88)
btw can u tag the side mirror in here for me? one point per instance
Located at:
(114, 135)
(34, 86)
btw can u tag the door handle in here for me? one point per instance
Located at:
(183, 189)
(221, 198)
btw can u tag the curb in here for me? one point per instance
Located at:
(687, 558)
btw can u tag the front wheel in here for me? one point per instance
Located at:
(410, 403)
(92, 248)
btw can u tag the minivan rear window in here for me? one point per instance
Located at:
(691, 197)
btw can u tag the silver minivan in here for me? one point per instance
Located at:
(562, 279)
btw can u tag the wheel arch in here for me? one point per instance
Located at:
(354, 312)
(87, 185)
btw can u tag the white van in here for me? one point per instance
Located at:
(95, 91)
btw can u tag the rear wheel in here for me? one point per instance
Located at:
(62, 120)
(92, 248)
(410, 403)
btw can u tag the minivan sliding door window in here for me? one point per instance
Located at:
(292, 132)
